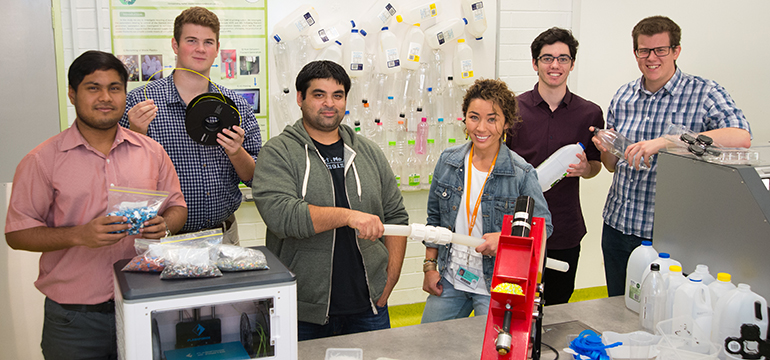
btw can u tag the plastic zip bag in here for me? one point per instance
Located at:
(137, 205)
(149, 256)
(184, 262)
(236, 258)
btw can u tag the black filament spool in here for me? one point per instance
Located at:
(208, 114)
(522, 217)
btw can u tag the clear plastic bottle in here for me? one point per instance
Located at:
(390, 60)
(401, 140)
(421, 13)
(395, 163)
(421, 144)
(638, 261)
(283, 116)
(347, 119)
(353, 56)
(463, 64)
(390, 114)
(441, 134)
(429, 163)
(444, 32)
(436, 71)
(450, 99)
(554, 168)
(674, 279)
(413, 167)
(665, 261)
(703, 271)
(720, 287)
(281, 51)
(357, 127)
(302, 53)
(367, 118)
(460, 136)
(297, 23)
(615, 143)
(411, 48)
(653, 300)
(379, 134)
(473, 10)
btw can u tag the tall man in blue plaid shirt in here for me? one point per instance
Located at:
(209, 175)
(640, 110)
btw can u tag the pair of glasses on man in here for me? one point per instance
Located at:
(660, 51)
(562, 59)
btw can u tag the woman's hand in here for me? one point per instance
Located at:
(489, 247)
(430, 283)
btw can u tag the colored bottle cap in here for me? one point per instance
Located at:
(675, 268)
(399, 18)
(460, 41)
(664, 255)
(647, 243)
(724, 277)
(410, 142)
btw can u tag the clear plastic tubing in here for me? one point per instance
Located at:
(470, 241)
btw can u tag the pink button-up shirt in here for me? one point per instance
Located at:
(63, 182)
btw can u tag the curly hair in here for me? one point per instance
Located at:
(657, 25)
(498, 93)
(196, 15)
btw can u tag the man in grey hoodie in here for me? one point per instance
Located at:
(324, 194)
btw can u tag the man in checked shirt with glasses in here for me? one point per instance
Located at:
(209, 175)
(641, 110)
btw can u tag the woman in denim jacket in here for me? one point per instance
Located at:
(459, 278)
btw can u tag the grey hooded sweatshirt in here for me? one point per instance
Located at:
(290, 174)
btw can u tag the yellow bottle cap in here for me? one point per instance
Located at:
(724, 277)
(399, 18)
(460, 40)
(675, 268)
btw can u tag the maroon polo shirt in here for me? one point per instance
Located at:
(540, 134)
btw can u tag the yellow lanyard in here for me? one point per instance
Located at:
(472, 219)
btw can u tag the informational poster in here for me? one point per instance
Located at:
(142, 31)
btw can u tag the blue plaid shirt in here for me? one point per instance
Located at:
(698, 104)
(208, 179)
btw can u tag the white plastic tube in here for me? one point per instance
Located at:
(440, 235)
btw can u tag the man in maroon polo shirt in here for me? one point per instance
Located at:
(553, 117)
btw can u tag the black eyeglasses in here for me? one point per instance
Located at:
(659, 51)
(562, 59)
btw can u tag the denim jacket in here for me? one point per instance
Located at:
(511, 177)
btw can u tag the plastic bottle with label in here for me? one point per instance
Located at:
(638, 261)
(444, 32)
(332, 52)
(473, 10)
(720, 287)
(703, 271)
(395, 163)
(463, 64)
(411, 48)
(298, 22)
(673, 280)
(692, 300)
(616, 144)
(665, 261)
(422, 14)
(737, 307)
(378, 15)
(413, 167)
(325, 35)
(353, 55)
(554, 168)
(652, 306)
(390, 61)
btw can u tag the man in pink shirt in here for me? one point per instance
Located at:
(59, 202)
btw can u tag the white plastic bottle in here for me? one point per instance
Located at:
(554, 168)
(703, 271)
(411, 48)
(444, 32)
(353, 55)
(298, 22)
(413, 167)
(390, 61)
(738, 306)
(326, 35)
(692, 300)
(420, 13)
(473, 10)
(673, 280)
(652, 307)
(720, 287)
(378, 15)
(463, 64)
(665, 261)
(638, 261)
(332, 53)
(395, 163)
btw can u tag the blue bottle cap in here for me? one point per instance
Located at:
(384, 28)
(645, 242)
(664, 255)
